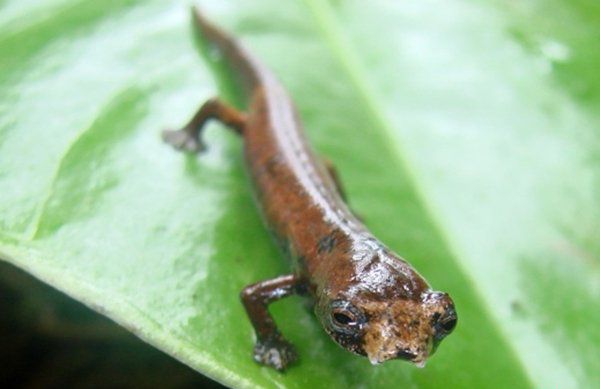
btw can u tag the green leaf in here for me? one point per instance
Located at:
(466, 134)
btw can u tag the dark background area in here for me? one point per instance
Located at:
(48, 340)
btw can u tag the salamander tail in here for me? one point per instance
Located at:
(233, 52)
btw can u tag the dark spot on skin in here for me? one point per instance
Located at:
(373, 262)
(271, 166)
(326, 244)
(273, 162)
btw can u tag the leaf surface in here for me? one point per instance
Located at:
(466, 135)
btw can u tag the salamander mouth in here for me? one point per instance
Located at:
(407, 355)
(418, 360)
(402, 354)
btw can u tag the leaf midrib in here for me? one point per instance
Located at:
(347, 57)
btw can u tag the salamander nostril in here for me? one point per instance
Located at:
(404, 354)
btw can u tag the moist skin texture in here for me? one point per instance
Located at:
(367, 298)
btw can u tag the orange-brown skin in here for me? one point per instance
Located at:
(368, 299)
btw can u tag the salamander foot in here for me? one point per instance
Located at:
(276, 353)
(183, 140)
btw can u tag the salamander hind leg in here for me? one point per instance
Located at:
(188, 138)
(335, 176)
(271, 348)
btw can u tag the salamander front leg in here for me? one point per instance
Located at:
(188, 137)
(271, 348)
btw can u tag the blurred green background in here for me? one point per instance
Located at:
(466, 134)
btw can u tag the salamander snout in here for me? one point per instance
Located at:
(408, 329)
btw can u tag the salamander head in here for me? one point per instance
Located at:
(388, 327)
(386, 311)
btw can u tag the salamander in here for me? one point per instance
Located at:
(368, 299)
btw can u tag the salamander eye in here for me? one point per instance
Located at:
(448, 324)
(444, 324)
(345, 317)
